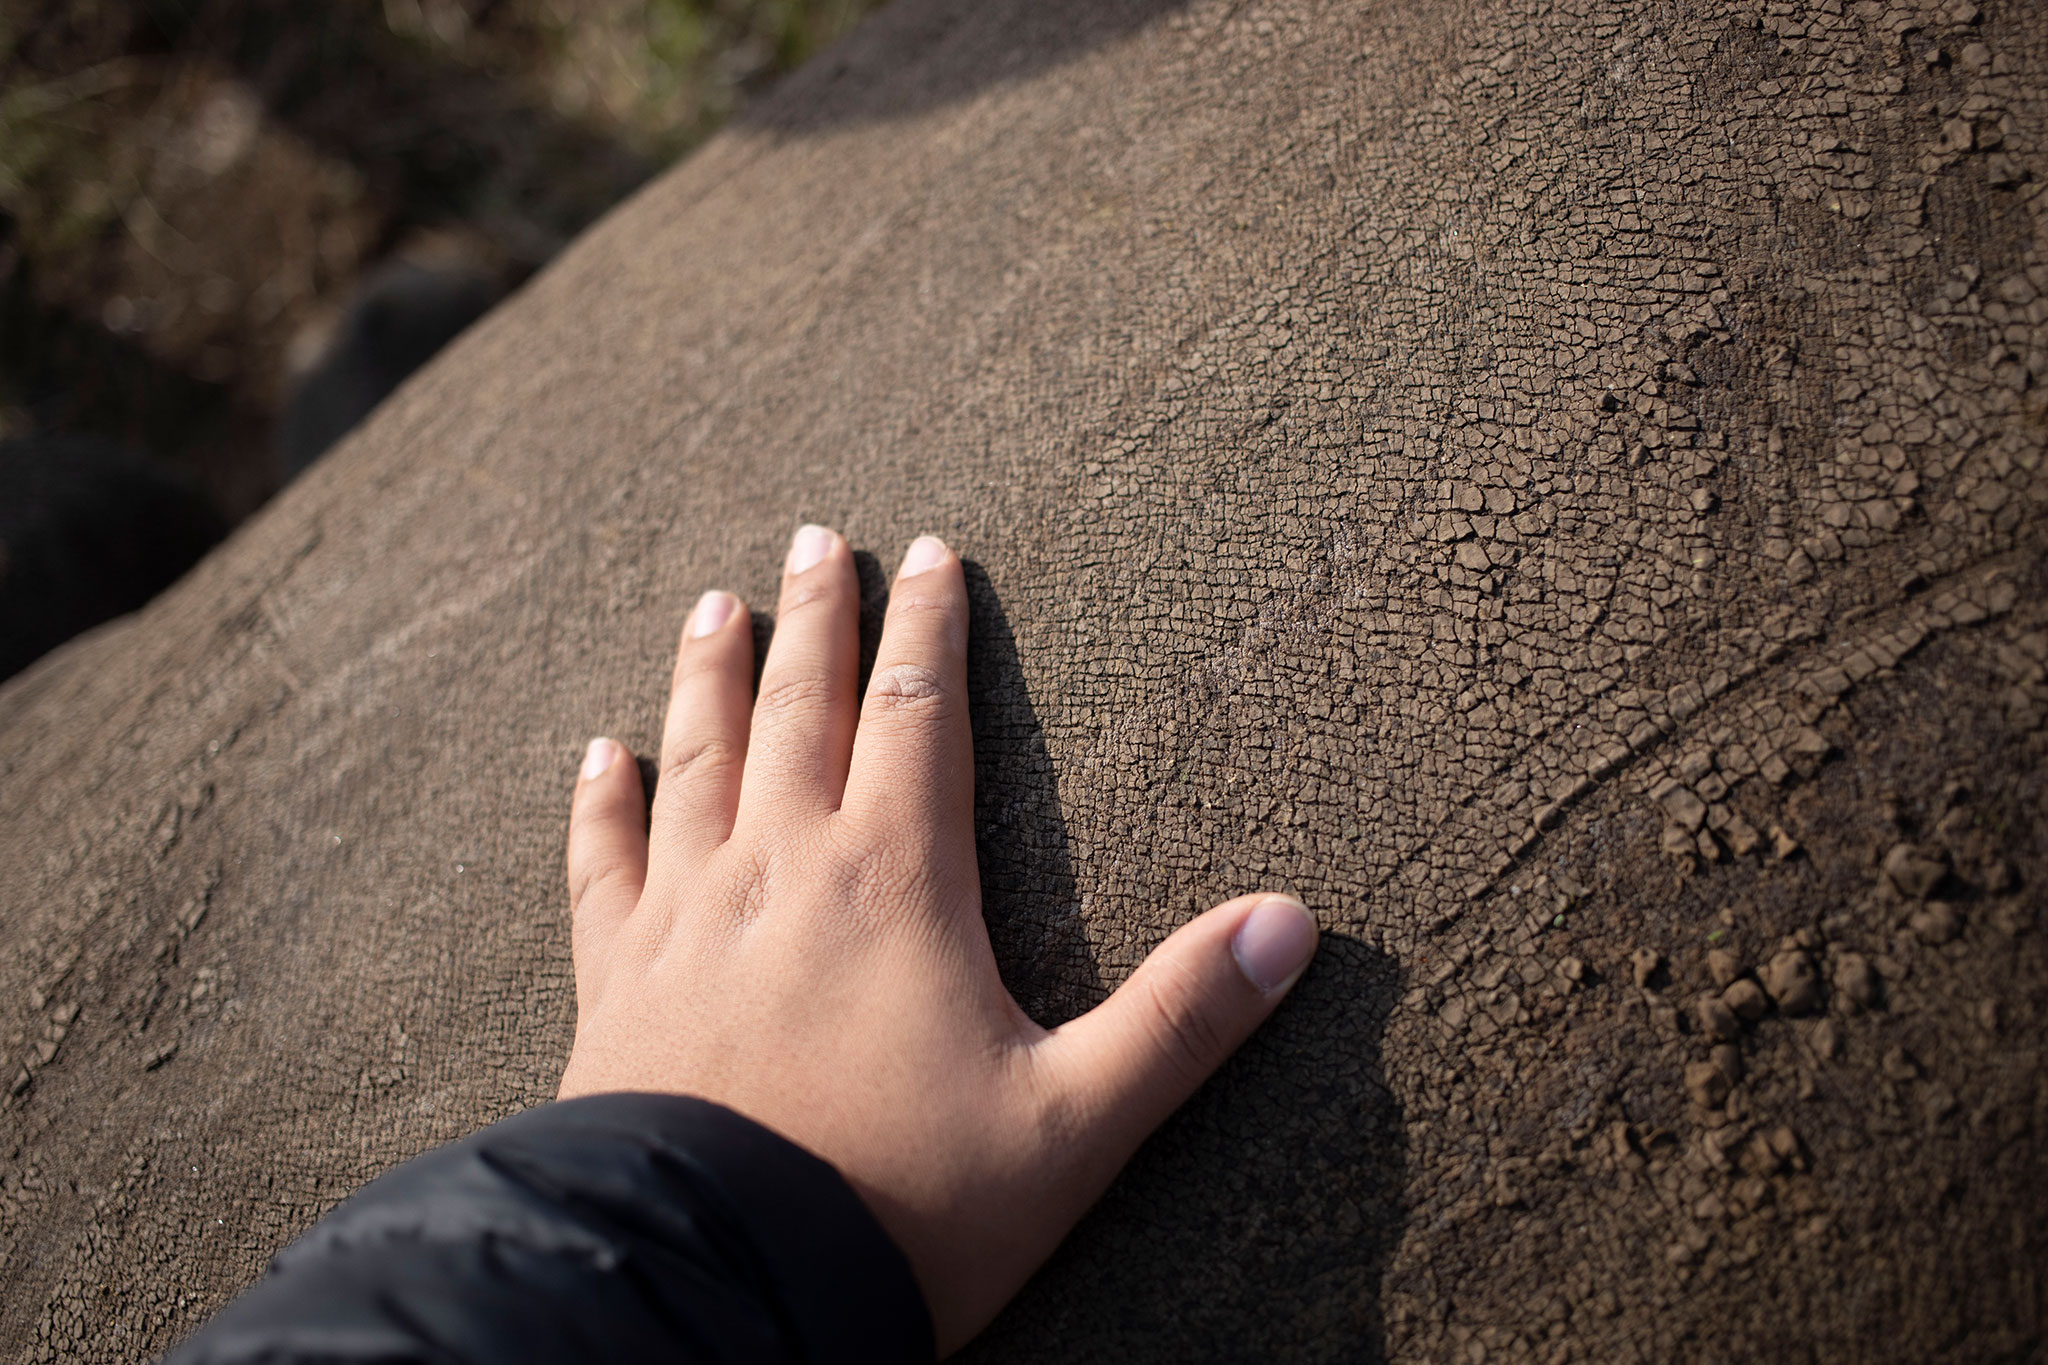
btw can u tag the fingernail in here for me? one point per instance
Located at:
(1274, 943)
(812, 544)
(926, 552)
(713, 610)
(598, 757)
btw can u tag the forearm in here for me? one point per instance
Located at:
(616, 1227)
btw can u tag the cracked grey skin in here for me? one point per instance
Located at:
(1555, 485)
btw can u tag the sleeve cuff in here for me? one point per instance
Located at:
(625, 1226)
(847, 1287)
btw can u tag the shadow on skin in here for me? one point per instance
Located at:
(1257, 1224)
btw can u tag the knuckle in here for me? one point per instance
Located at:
(697, 758)
(908, 687)
(810, 594)
(909, 605)
(937, 620)
(611, 878)
(702, 659)
(792, 693)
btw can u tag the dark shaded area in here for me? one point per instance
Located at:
(952, 51)
(440, 140)
(874, 607)
(172, 358)
(1293, 1157)
(399, 318)
(70, 374)
(88, 531)
(1028, 895)
(437, 148)
(95, 523)
(1020, 837)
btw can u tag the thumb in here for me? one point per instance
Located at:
(1133, 1059)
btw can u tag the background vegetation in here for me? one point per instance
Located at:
(189, 189)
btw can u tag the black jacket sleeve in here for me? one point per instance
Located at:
(611, 1228)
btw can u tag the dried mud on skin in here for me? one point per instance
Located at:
(1557, 485)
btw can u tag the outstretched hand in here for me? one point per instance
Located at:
(798, 936)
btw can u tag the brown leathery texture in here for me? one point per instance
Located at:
(1556, 483)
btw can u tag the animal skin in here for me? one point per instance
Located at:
(1555, 483)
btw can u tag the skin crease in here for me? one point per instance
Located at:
(798, 936)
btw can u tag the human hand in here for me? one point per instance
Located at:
(799, 938)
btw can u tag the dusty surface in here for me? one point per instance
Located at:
(1558, 485)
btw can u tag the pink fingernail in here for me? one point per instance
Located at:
(926, 552)
(812, 544)
(1274, 943)
(598, 758)
(713, 610)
